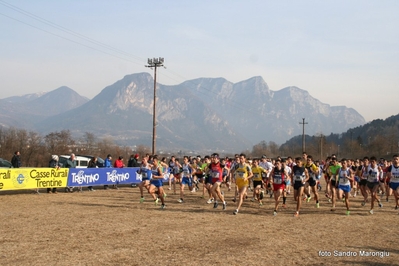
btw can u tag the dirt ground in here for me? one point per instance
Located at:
(111, 227)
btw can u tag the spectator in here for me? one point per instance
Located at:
(92, 164)
(70, 163)
(108, 164)
(119, 162)
(133, 161)
(16, 160)
(53, 164)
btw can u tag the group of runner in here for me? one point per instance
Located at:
(344, 179)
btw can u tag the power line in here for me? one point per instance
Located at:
(66, 30)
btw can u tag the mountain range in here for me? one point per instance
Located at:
(200, 114)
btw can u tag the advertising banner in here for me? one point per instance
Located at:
(102, 176)
(31, 178)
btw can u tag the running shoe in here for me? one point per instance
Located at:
(260, 203)
(156, 201)
(235, 212)
(209, 201)
(180, 200)
(274, 213)
(296, 214)
(193, 190)
(363, 203)
(215, 205)
(141, 200)
(271, 195)
(164, 195)
(343, 200)
(234, 200)
(224, 205)
(284, 206)
(317, 205)
(261, 195)
(305, 198)
(252, 199)
(169, 188)
(163, 206)
(371, 212)
(329, 201)
(380, 204)
(308, 199)
(348, 212)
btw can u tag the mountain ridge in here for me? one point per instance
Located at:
(202, 113)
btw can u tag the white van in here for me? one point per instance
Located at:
(81, 162)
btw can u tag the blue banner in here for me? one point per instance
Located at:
(104, 176)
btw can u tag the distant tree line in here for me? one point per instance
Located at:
(36, 150)
(378, 138)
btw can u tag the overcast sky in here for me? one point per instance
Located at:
(341, 52)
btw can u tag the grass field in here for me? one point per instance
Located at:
(111, 227)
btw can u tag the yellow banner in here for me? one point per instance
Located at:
(31, 178)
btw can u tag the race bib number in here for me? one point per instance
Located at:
(277, 180)
(215, 175)
(298, 178)
(240, 174)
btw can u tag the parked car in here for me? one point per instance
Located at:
(100, 161)
(81, 161)
(5, 163)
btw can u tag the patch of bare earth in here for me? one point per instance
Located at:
(111, 227)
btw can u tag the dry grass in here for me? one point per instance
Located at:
(112, 228)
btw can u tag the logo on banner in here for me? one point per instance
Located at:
(81, 178)
(116, 177)
(20, 180)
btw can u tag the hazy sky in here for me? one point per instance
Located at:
(341, 52)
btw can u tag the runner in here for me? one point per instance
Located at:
(145, 172)
(333, 172)
(226, 174)
(157, 182)
(268, 166)
(176, 170)
(300, 176)
(345, 175)
(232, 177)
(187, 171)
(216, 172)
(242, 172)
(374, 172)
(287, 180)
(393, 176)
(277, 179)
(313, 171)
(327, 177)
(363, 173)
(356, 168)
(257, 181)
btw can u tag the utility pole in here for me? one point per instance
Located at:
(321, 147)
(154, 63)
(303, 134)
